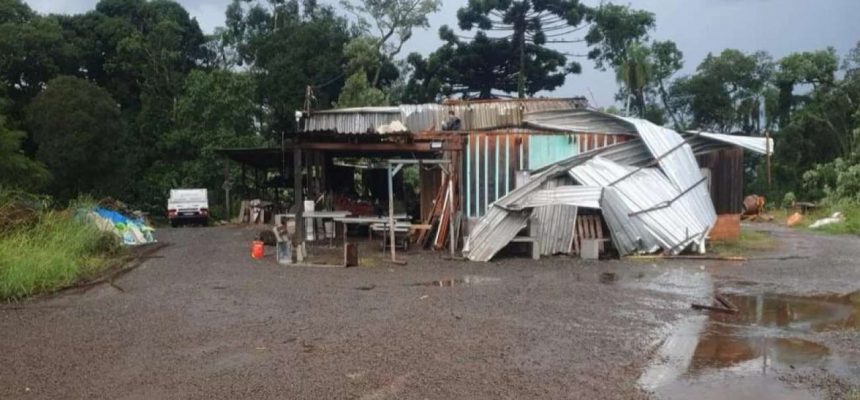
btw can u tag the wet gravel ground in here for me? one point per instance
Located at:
(806, 263)
(203, 320)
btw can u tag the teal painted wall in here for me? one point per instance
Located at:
(547, 149)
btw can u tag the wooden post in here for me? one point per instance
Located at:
(391, 209)
(451, 243)
(299, 236)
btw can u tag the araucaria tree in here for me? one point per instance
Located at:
(509, 51)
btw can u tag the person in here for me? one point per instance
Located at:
(452, 123)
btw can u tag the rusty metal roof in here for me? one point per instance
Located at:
(473, 115)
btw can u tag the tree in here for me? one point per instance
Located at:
(393, 22)
(813, 68)
(15, 11)
(357, 92)
(726, 93)
(614, 28)
(528, 27)
(635, 73)
(289, 48)
(667, 60)
(16, 169)
(215, 110)
(76, 126)
(32, 51)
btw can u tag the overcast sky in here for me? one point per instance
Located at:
(697, 26)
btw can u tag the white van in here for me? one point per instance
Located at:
(188, 205)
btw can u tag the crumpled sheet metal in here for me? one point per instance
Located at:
(582, 120)
(494, 231)
(579, 196)
(647, 209)
(760, 145)
(677, 161)
(668, 208)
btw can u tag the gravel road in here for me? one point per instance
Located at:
(201, 320)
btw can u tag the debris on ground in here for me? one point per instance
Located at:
(131, 230)
(721, 304)
(794, 219)
(754, 205)
(836, 218)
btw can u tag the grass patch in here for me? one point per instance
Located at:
(56, 251)
(850, 226)
(749, 241)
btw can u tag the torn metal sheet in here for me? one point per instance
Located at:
(555, 228)
(664, 206)
(649, 209)
(493, 232)
(579, 121)
(677, 161)
(579, 196)
(758, 144)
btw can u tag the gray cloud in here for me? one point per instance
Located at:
(698, 26)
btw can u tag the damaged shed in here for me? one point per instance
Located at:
(650, 190)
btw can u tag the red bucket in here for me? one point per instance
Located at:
(257, 250)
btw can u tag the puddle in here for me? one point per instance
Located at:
(769, 334)
(468, 280)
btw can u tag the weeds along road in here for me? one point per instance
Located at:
(203, 320)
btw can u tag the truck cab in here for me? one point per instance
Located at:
(188, 205)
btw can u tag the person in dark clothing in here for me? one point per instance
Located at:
(452, 124)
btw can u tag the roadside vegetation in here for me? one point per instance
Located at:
(43, 249)
(749, 242)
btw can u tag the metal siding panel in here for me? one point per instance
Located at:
(547, 149)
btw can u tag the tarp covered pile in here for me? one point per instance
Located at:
(132, 231)
(650, 190)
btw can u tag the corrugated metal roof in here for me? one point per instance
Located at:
(758, 144)
(645, 208)
(656, 213)
(493, 232)
(677, 161)
(360, 120)
(580, 196)
(579, 121)
(474, 115)
(556, 227)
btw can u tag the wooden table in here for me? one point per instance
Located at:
(320, 215)
(367, 221)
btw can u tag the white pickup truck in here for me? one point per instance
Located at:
(188, 205)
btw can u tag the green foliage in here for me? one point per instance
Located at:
(393, 22)
(77, 127)
(216, 110)
(55, 252)
(357, 92)
(635, 72)
(520, 61)
(32, 52)
(836, 181)
(16, 169)
(289, 48)
(788, 200)
(726, 93)
(614, 28)
(15, 11)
